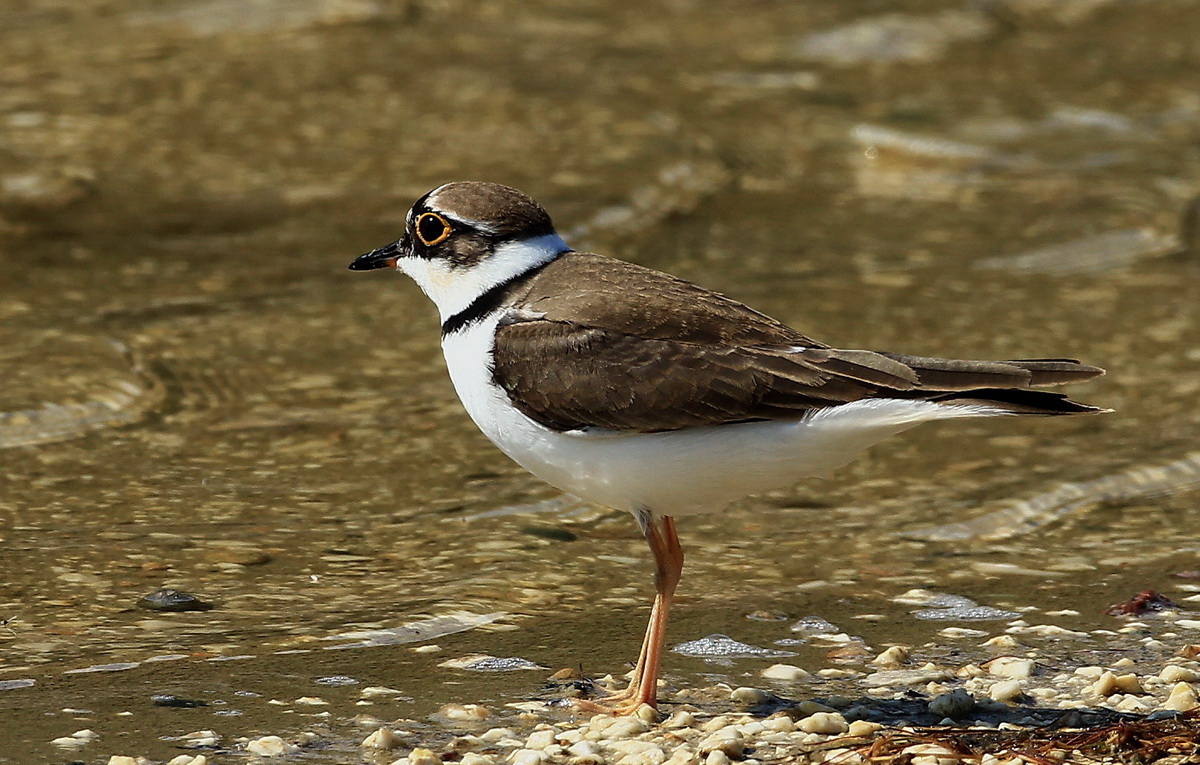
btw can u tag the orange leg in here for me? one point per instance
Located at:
(668, 567)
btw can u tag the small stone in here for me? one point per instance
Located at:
(1173, 673)
(825, 723)
(495, 734)
(956, 704)
(526, 757)
(892, 658)
(465, 712)
(646, 714)
(779, 723)
(716, 757)
(1010, 666)
(540, 739)
(1006, 691)
(378, 691)
(625, 727)
(120, 759)
(200, 738)
(716, 723)
(680, 719)
(1108, 684)
(420, 756)
(728, 741)
(173, 601)
(863, 728)
(584, 749)
(312, 701)
(786, 672)
(474, 758)
(1002, 643)
(270, 746)
(188, 759)
(750, 697)
(382, 738)
(808, 707)
(1182, 698)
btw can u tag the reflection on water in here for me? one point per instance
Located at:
(198, 396)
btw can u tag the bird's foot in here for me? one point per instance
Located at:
(620, 707)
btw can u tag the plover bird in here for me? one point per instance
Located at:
(640, 391)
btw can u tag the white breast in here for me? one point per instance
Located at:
(678, 472)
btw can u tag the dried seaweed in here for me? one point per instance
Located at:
(1167, 740)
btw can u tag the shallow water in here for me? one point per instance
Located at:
(198, 395)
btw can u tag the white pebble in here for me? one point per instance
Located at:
(474, 758)
(826, 723)
(465, 712)
(680, 719)
(1010, 666)
(188, 759)
(201, 738)
(863, 728)
(527, 757)
(312, 701)
(495, 734)
(540, 739)
(891, 658)
(1005, 691)
(625, 727)
(383, 738)
(779, 724)
(728, 741)
(1172, 673)
(716, 757)
(120, 759)
(378, 691)
(270, 746)
(786, 672)
(421, 756)
(1182, 698)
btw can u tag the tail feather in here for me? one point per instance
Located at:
(964, 375)
(1018, 401)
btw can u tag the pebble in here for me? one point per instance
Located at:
(188, 759)
(891, 658)
(76, 740)
(1108, 684)
(525, 757)
(863, 728)
(1173, 673)
(422, 756)
(956, 704)
(1006, 691)
(729, 741)
(1010, 666)
(786, 672)
(1182, 698)
(751, 697)
(829, 723)
(540, 739)
(473, 758)
(465, 712)
(382, 738)
(270, 746)
(120, 759)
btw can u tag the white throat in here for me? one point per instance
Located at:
(453, 289)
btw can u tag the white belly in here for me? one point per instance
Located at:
(677, 472)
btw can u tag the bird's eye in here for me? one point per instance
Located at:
(432, 228)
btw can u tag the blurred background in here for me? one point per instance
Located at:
(197, 394)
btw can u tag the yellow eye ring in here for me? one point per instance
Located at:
(432, 229)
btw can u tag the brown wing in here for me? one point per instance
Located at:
(578, 352)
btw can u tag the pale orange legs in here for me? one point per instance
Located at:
(668, 567)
